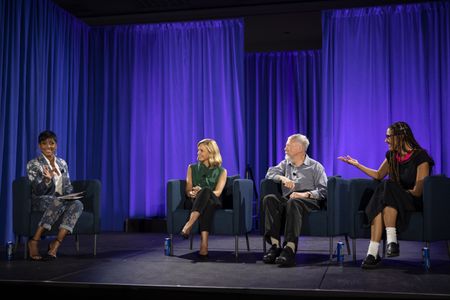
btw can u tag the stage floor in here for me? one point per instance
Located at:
(135, 264)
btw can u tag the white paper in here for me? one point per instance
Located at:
(72, 196)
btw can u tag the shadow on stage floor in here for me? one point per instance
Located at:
(134, 264)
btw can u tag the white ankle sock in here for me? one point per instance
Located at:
(291, 245)
(391, 235)
(373, 248)
(275, 242)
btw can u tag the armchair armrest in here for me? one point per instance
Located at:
(436, 208)
(175, 199)
(360, 191)
(92, 187)
(242, 205)
(175, 194)
(91, 200)
(21, 205)
(338, 206)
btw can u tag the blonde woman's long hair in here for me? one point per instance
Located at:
(215, 159)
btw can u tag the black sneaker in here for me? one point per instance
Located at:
(286, 258)
(370, 262)
(393, 249)
(271, 255)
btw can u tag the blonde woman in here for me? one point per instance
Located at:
(205, 181)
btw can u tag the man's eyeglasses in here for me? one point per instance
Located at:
(389, 136)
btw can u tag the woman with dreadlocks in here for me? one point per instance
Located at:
(407, 165)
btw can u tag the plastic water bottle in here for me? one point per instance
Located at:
(340, 253)
(426, 258)
(168, 246)
(9, 251)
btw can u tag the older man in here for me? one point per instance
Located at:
(304, 187)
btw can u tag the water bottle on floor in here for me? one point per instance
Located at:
(168, 247)
(9, 251)
(340, 253)
(426, 258)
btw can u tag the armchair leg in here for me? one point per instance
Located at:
(191, 241)
(77, 243)
(264, 245)
(17, 242)
(95, 244)
(25, 247)
(384, 248)
(171, 248)
(348, 244)
(354, 249)
(236, 246)
(448, 248)
(248, 244)
(331, 247)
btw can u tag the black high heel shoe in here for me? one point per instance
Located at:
(184, 235)
(33, 255)
(202, 257)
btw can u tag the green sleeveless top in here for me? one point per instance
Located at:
(204, 176)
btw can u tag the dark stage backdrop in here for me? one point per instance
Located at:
(129, 103)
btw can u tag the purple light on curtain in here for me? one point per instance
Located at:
(180, 83)
(382, 65)
(283, 98)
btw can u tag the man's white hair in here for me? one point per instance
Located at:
(302, 139)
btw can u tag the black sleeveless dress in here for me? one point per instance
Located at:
(393, 194)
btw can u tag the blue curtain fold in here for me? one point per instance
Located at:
(283, 92)
(43, 84)
(160, 89)
(382, 65)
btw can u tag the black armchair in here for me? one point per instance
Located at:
(427, 226)
(234, 218)
(330, 221)
(25, 220)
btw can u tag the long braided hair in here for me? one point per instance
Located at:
(402, 137)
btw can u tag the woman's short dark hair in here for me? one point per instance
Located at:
(47, 134)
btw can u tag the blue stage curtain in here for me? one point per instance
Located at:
(382, 65)
(283, 91)
(159, 89)
(43, 84)
(128, 103)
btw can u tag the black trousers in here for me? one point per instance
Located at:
(390, 193)
(279, 210)
(205, 203)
